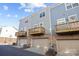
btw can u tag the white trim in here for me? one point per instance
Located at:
(73, 15)
(68, 5)
(71, 5)
(60, 19)
(76, 6)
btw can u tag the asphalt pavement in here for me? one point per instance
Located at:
(7, 50)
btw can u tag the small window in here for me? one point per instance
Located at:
(26, 21)
(75, 4)
(72, 18)
(42, 14)
(41, 24)
(61, 21)
(68, 6)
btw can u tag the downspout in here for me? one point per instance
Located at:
(53, 38)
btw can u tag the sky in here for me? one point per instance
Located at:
(11, 13)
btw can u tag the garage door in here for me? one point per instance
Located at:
(41, 44)
(21, 42)
(67, 45)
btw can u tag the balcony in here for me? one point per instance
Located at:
(72, 27)
(21, 34)
(37, 31)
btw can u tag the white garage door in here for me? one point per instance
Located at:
(41, 44)
(67, 44)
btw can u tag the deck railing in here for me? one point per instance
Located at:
(67, 27)
(37, 30)
(21, 34)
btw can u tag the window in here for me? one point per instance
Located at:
(42, 14)
(72, 18)
(61, 21)
(41, 24)
(68, 6)
(75, 4)
(26, 21)
(71, 5)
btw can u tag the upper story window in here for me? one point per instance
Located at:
(26, 21)
(71, 5)
(72, 18)
(68, 6)
(61, 21)
(75, 4)
(42, 14)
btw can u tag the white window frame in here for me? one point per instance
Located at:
(60, 19)
(42, 14)
(71, 5)
(76, 6)
(26, 21)
(73, 15)
(66, 4)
